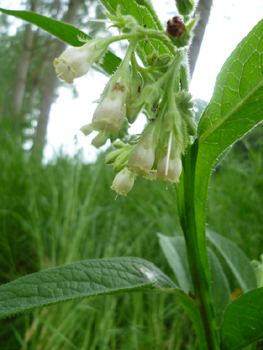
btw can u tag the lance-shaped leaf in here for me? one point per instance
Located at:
(243, 321)
(236, 260)
(235, 108)
(65, 32)
(175, 252)
(80, 279)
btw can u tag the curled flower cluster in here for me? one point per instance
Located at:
(155, 90)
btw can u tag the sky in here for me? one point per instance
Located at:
(229, 22)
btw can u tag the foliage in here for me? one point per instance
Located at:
(234, 109)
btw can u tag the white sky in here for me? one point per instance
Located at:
(229, 22)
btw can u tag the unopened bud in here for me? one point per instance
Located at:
(162, 60)
(121, 161)
(152, 58)
(111, 157)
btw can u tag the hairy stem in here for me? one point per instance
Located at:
(188, 222)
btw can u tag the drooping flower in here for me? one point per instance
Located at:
(171, 170)
(123, 182)
(76, 61)
(111, 111)
(142, 157)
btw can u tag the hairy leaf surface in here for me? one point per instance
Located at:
(236, 260)
(243, 321)
(235, 108)
(80, 279)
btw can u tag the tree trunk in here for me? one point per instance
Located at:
(22, 72)
(20, 85)
(49, 92)
(203, 10)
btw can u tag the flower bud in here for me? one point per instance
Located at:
(162, 60)
(121, 160)
(179, 33)
(123, 182)
(111, 111)
(86, 129)
(76, 61)
(111, 157)
(118, 144)
(174, 170)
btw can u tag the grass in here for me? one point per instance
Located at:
(65, 211)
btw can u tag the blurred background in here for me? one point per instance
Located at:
(56, 205)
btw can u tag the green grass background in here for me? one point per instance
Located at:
(64, 211)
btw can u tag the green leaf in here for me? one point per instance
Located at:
(66, 33)
(220, 290)
(175, 252)
(235, 108)
(236, 260)
(243, 321)
(80, 279)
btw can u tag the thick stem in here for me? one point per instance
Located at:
(188, 223)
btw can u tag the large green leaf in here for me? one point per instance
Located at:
(237, 261)
(236, 107)
(66, 33)
(80, 279)
(243, 321)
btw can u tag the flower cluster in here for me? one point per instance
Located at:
(157, 90)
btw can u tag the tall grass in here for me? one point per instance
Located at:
(65, 211)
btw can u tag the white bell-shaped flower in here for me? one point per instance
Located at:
(169, 171)
(111, 111)
(123, 182)
(76, 61)
(142, 157)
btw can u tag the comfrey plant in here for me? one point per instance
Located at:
(175, 146)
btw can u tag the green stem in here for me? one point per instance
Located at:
(186, 209)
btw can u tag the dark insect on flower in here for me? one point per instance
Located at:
(175, 27)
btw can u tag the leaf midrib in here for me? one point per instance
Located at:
(221, 120)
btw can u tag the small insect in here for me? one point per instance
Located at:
(139, 89)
